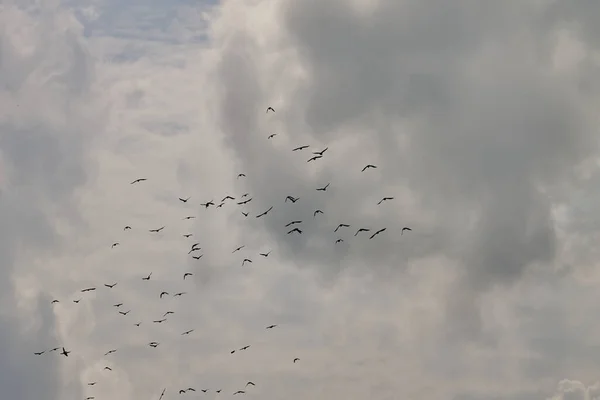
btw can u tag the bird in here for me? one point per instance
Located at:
(54, 349)
(64, 352)
(127, 228)
(221, 205)
(90, 289)
(228, 198)
(314, 158)
(245, 261)
(292, 199)
(341, 226)
(293, 223)
(195, 247)
(272, 135)
(368, 166)
(241, 175)
(137, 323)
(239, 392)
(245, 195)
(296, 359)
(324, 188)
(181, 391)
(139, 180)
(320, 153)
(168, 313)
(159, 321)
(317, 212)
(90, 398)
(362, 230)
(189, 217)
(232, 351)
(238, 249)
(270, 326)
(207, 204)
(153, 344)
(301, 148)
(184, 200)
(115, 244)
(295, 230)
(270, 108)
(265, 254)
(406, 228)
(117, 305)
(110, 352)
(339, 241)
(91, 383)
(124, 312)
(204, 390)
(187, 235)
(218, 391)
(147, 278)
(162, 394)
(197, 257)
(186, 275)
(191, 389)
(250, 383)
(264, 213)
(108, 368)
(187, 332)
(39, 353)
(245, 214)
(54, 301)
(162, 294)
(179, 294)
(157, 230)
(241, 203)
(110, 286)
(76, 301)
(245, 347)
(377, 233)
(385, 199)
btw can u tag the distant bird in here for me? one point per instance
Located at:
(293, 223)
(179, 294)
(184, 200)
(54, 301)
(324, 188)
(54, 349)
(339, 241)
(377, 233)
(228, 198)
(153, 344)
(405, 229)
(385, 199)
(296, 359)
(191, 389)
(241, 175)
(295, 230)
(270, 108)
(317, 212)
(238, 249)
(39, 353)
(239, 392)
(139, 180)
(110, 352)
(221, 205)
(186, 275)
(137, 323)
(301, 148)
(187, 235)
(187, 332)
(232, 351)
(245, 347)
(162, 394)
(245, 261)
(117, 305)
(127, 228)
(272, 135)
(362, 230)
(368, 166)
(264, 213)
(76, 301)
(64, 352)
(90, 398)
(250, 383)
(270, 326)
(245, 195)
(320, 153)
(314, 158)
(218, 391)
(115, 244)
(204, 390)
(207, 204)
(189, 217)
(124, 312)
(241, 203)
(159, 321)
(245, 214)
(265, 254)
(91, 383)
(341, 226)
(163, 294)
(168, 313)
(157, 230)
(148, 277)
(110, 286)
(90, 289)
(292, 199)
(108, 368)
(181, 391)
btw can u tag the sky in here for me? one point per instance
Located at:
(481, 118)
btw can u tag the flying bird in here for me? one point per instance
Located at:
(127, 228)
(271, 109)
(124, 312)
(245, 195)
(301, 148)
(314, 158)
(207, 204)
(179, 294)
(91, 383)
(139, 180)
(186, 275)
(245, 214)
(157, 230)
(296, 359)
(377, 233)
(39, 353)
(245, 201)
(153, 344)
(324, 188)
(117, 305)
(385, 199)
(339, 241)
(317, 212)
(368, 166)
(64, 352)
(162, 294)
(90, 289)
(362, 230)
(137, 323)
(239, 392)
(270, 326)
(228, 198)
(250, 383)
(341, 226)
(272, 135)
(264, 213)
(265, 254)
(168, 313)
(54, 301)
(184, 200)
(292, 199)
(189, 217)
(295, 230)
(320, 153)
(238, 249)
(108, 368)
(147, 278)
(221, 205)
(245, 347)
(115, 244)
(76, 301)
(187, 235)
(110, 286)
(110, 352)
(162, 394)
(159, 321)
(293, 223)
(245, 261)
(240, 175)
(406, 228)
(187, 332)
(181, 391)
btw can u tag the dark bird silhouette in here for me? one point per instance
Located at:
(239, 392)
(168, 313)
(241, 175)
(157, 230)
(115, 244)
(76, 301)
(301, 148)
(191, 389)
(317, 212)
(241, 203)
(179, 294)
(110, 352)
(91, 383)
(159, 321)
(207, 204)
(295, 230)
(270, 326)
(137, 323)
(272, 135)
(187, 332)
(245, 261)
(232, 351)
(292, 199)
(293, 223)
(186, 275)
(368, 166)
(110, 286)
(54, 301)
(296, 359)
(221, 205)
(117, 305)
(162, 294)
(108, 368)
(189, 217)
(342, 226)
(250, 383)
(187, 235)
(195, 247)
(238, 249)
(339, 241)
(324, 188)
(39, 353)
(320, 153)
(64, 352)
(181, 391)
(264, 213)
(90, 289)
(406, 228)
(314, 158)
(184, 200)
(124, 312)
(54, 349)
(162, 394)
(90, 398)
(362, 230)
(385, 199)
(218, 391)
(377, 233)
(147, 278)
(139, 180)
(204, 390)
(228, 198)
(270, 109)
(245, 347)
(245, 214)
(245, 195)
(127, 228)
(265, 254)
(153, 344)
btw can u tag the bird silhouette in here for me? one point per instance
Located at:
(265, 254)
(264, 213)
(187, 235)
(324, 188)
(110, 286)
(115, 244)
(293, 223)
(320, 153)
(341, 226)
(157, 230)
(124, 312)
(296, 359)
(314, 158)
(241, 203)
(139, 180)
(405, 229)
(339, 241)
(377, 233)
(64, 352)
(317, 212)
(207, 204)
(241, 175)
(270, 326)
(385, 199)
(270, 109)
(295, 230)
(238, 249)
(148, 277)
(368, 166)
(127, 228)
(186, 275)
(163, 294)
(179, 294)
(271, 136)
(292, 199)
(159, 321)
(362, 230)
(245, 261)
(91, 289)
(110, 352)
(184, 200)
(187, 332)
(301, 148)
(250, 383)
(39, 353)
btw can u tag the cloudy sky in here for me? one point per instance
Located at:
(481, 117)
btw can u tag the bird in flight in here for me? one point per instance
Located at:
(187, 235)
(221, 205)
(110, 352)
(76, 301)
(197, 257)
(245, 261)
(341, 226)
(127, 228)
(317, 212)
(314, 158)
(270, 108)
(153, 344)
(301, 148)
(339, 241)
(189, 217)
(184, 200)
(159, 321)
(228, 198)
(139, 180)
(245, 214)
(179, 294)
(265, 254)
(377, 233)
(368, 166)
(264, 213)
(110, 286)
(207, 204)
(187, 332)
(186, 275)
(181, 391)
(292, 199)
(385, 199)
(195, 248)
(270, 326)
(250, 383)
(272, 135)
(117, 305)
(108, 368)
(320, 153)
(293, 223)
(168, 313)
(124, 312)
(406, 228)
(245, 195)
(245, 347)
(137, 323)
(245, 201)
(115, 244)
(239, 392)
(91, 383)
(324, 188)
(241, 175)
(296, 359)
(147, 278)
(64, 352)
(157, 230)
(162, 394)
(162, 294)
(90, 289)
(54, 301)
(238, 249)
(295, 230)
(39, 353)
(362, 230)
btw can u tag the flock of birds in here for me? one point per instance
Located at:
(195, 250)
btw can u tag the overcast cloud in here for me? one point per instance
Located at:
(481, 120)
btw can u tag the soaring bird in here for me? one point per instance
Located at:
(270, 326)
(317, 212)
(271, 109)
(296, 359)
(301, 147)
(168, 313)
(245, 214)
(147, 278)
(124, 312)
(54, 301)
(221, 205)
(197, 257)
(324, 188)
(245, 261)
(195, 248)
(239, 392)
(377, 233)
(156, 230)
(241, 175)
(153, 344)
(186, 275)
(108, 368)
(341, 226)
(292, 199)
(139, 180)
(117, 305)
(265, 254)
(245, 195)
(187, 332)
(189, 217)
(39, 353)
(339, 241)
(190, 389)
(314, 158)
(64, 352)
(241, 203)
(110, 286)
(162, 394)
(264, 213)
(238, 249)
(187, 235)
(181, 391)
(362, 230)
(159, 321)
(179, 294)
(245, 347)
(207, 204)
(320, 153)
(228, 198)
(127, 228)
(110, 352)
(115, 244)
(250, 383)
(184, 200)
(406, 228)
(385, 199)
(295, 230)
(90, 289)
(162, 294)
(272, 135)
(368, 166)
(76, 301)
(137, 323)
(91, 383)
(293, 223)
